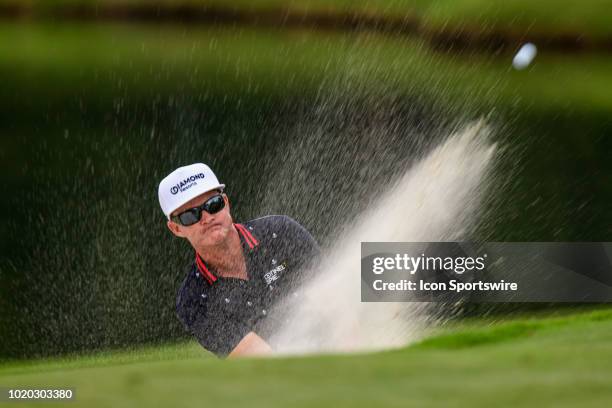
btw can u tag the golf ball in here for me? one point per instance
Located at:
(524, 56)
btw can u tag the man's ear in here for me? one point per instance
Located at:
(227, 200)
(175, 229)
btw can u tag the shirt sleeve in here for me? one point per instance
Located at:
(302, 247)
(218, 334)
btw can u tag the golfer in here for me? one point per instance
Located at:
(240, 270)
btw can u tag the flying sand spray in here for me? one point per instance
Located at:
(435, 200)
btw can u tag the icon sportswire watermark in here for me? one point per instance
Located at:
(486, 272)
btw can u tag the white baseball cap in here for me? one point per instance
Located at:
(184, 184)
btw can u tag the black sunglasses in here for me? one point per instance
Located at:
(189, 217)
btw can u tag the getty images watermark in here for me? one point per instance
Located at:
(486, 272)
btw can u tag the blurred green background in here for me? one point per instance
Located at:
(101, 99)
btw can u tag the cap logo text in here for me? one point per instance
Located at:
(186, 183)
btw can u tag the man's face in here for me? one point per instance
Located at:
(211, 230)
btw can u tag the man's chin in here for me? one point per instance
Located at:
(214, 235)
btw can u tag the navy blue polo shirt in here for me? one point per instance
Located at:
(279, 255)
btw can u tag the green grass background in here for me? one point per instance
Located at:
(557, 360)
(591, 18)
(287, 62)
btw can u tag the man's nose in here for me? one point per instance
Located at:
(206, 218)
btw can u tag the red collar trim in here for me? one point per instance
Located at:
(210, 278)
(251, 241)
(246, 234)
